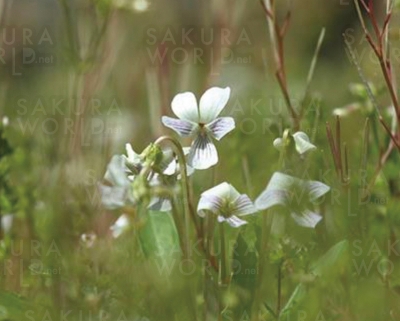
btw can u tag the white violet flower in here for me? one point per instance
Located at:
(295, 194)
(202, 123)
(301, 141)
(225, 201)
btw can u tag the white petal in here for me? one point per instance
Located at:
(210, 203)
(184, 106)
(276, 192)
(113, 197)
(307, 218)
(6, 222)
(223, 191)
(203, 153)
(116, 169)
(212, 102)
(160, 204)
(120, 226)
(182, 127)
(278, 143)
(132, 155)
(316, 189)
(221, 126)
(302, 143)
(244, 206)
(233, 221)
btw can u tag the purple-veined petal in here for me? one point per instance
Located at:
(233, 221)
(270, 198)
(210, 203)
(182, 127)
(184, 106)
(244, 206)
(316, 189)
(276, 192)
(203, 153)
(307, 218)
(212, 102)
(221, 126)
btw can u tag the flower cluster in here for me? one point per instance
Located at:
(134, 177)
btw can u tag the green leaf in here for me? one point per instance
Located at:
(159, 237)
(332, 260)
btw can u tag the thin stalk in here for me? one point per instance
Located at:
(279, 289)
(311, 71)
(223, 254)
(185, 186)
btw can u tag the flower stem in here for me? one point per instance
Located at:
(185, 186)
(223, 254)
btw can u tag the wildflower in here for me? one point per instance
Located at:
(6, 222)
(88, 239)
(5, 121)
(301, 142)
(225, 201)
(282, 189)
(202, 123)
(120, 226)
(118, 194)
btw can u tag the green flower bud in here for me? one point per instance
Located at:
(152, 155)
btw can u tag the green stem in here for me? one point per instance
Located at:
(185, 186)
(278, 304)
(223, 254)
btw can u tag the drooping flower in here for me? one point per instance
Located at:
(295, 194)
(118, 193)
(125, 185)
(301, 142)
(227, 203)
(202, 123)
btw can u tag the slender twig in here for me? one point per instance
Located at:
(277, 34)
(311, 70)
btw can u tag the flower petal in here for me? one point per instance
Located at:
(221, 126)
(276, 192)
(233, 221)
(120, 226)
(212, 102)
(223, 191)
(302, 143)
(203, 153)
(133, 161)
(6, 222)
(184, 106)
(182, 127)
(307, 218)
(160, 204)
(116, 169)
(244, 206)
(316, 189)
(210, 203)
(113, 197)
(278, 143)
